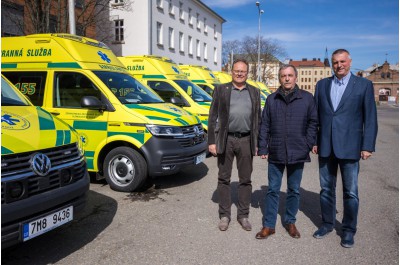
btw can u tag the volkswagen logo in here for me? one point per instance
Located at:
(40, 164)
(196, 130)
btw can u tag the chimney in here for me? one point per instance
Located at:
(314, 59)
(304, 59)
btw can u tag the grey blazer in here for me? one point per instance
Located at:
(218, 120)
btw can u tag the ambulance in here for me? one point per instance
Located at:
(223, 77)
(44, 180)
(201, 76)
(129, 133)
(164, 76)
(264, 88)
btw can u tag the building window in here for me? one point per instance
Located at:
(171, 38)
(215, 55)
(159, 4)
(205, 26)
(190, 16)
(159, 33)
(315, 79)
(309, 72)
(321, 72)
(181, 14)
(119, 30)
(215, 32)
(181, 42)
(12, 19)
(205, 51)
(190, 47)
(315, 72)
(198, 21)
(302, 72)
(198, 48)
(170, 8)
(302, 80)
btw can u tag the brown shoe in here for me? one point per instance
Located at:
(265, 232)
(292, 230)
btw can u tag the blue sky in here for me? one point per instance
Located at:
(368, 29)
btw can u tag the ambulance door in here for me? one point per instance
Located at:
(68, 90)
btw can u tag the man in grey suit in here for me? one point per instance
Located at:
(235, 114)
(347, 132)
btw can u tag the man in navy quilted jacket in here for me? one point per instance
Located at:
(287, 134)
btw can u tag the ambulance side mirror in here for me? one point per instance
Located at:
(91, 102)
(178, 101)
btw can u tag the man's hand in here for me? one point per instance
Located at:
(212, 148)
(314, 150)
(264, 156)
(365, 155)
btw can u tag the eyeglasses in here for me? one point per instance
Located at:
(236, 72)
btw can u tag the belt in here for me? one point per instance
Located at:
(238, 134)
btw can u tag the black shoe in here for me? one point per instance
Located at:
(347, 240)
(322, 232)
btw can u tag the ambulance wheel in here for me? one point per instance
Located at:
(125, 169)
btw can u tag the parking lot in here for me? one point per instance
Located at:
(175, 221)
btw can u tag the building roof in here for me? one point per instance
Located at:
(307, 63)
(209, 9)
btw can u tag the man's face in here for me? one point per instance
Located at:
(287, 78)
(341, 64)
(239, 73)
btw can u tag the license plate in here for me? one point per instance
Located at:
(47, 223)
(200, 158)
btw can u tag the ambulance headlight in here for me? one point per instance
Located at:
(79, 144)
(158, 130)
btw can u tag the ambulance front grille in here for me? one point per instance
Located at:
(67, 167)
(193, 135)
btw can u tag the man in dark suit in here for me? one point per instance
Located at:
(232, 132)
(347, 132)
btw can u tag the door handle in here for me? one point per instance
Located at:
(55, 113)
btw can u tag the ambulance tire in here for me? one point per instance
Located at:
(125, 169)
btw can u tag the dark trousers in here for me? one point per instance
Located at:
(239, 148)
(349, 169)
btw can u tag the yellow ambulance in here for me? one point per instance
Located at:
(201, 76)
(164, 76)
(44, 180)
(223, 77)
(264, 88)
(129, 133)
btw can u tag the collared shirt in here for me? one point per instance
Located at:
(240, 111)
(337, 89)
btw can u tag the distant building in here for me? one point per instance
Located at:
(386, 81)
(20, 17)
(188, 32)
(310, 72)
(269, 69)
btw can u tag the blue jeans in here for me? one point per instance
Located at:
(328, 168)
(275, 173)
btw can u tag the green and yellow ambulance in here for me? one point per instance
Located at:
(129, 133)
(164, 76)
(44, 180)
(201, 76)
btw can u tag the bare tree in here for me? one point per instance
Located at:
(270, 51)
(51, 16)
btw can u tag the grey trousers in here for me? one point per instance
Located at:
(239, 148)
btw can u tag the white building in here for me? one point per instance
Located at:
(187, 31)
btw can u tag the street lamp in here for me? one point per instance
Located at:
(260, 11)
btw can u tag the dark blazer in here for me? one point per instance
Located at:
(218, 120)
(288, 130)
(353, 127)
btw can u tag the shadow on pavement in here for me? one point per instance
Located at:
(61, 242)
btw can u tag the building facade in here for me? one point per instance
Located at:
(188, 32)
(386, 82)
(310, 72)
(20, 17)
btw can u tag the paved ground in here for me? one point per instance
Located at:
(176, 221)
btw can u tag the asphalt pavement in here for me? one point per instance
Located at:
(175, 221)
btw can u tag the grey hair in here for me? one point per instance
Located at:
(340, 51)
(285, 66)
